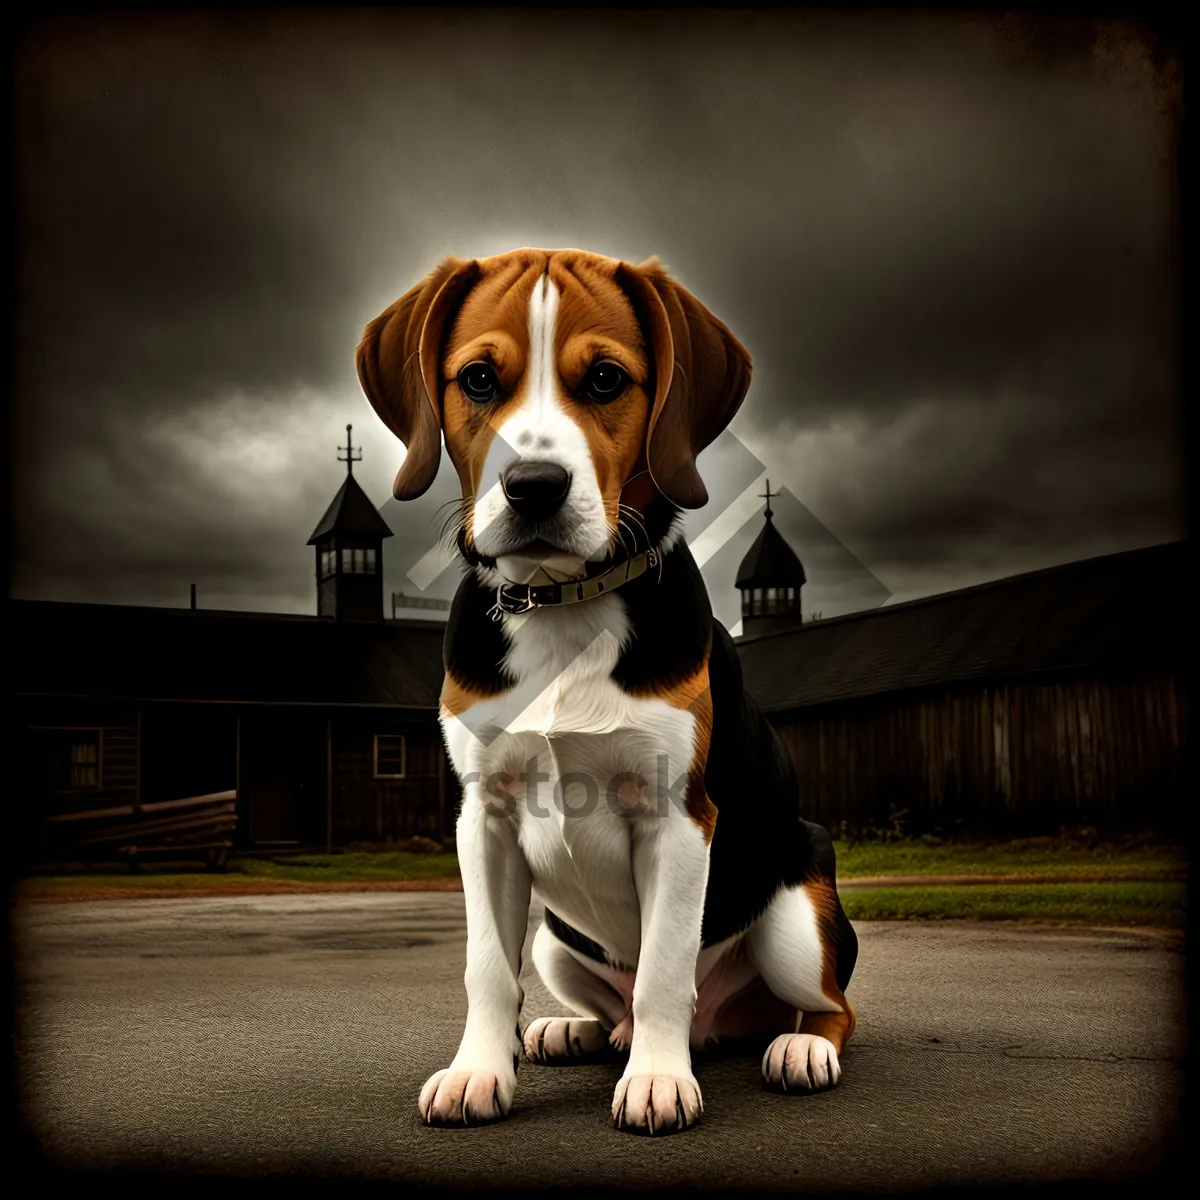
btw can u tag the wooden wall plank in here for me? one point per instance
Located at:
(1002, 756)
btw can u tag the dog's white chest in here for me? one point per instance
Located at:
(580, 766)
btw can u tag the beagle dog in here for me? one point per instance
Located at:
(593, 709)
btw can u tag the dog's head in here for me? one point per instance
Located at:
(602, 380)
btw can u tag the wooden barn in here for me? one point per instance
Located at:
(324, 727)
(1053, 698)
(326, 730)
(1047, 699)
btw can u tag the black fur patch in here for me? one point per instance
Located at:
(475, 646)
(671, 622)
(845, 940)
(760, 844)
(570, 936)
(657, 518)
(470, 554)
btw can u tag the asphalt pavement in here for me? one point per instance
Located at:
(261, 1036)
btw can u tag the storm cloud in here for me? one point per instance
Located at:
(949, 243)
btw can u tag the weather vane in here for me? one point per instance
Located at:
(353, 453)
(767, 495)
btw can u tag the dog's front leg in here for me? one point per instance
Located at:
(658, 1092)
(478, 1085)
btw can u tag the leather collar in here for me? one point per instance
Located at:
(517, 598)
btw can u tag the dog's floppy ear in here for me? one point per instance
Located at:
(399, 367)
(702, 373)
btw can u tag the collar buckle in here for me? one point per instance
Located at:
(512, 605)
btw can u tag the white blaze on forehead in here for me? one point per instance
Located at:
(543, 312)
(542, 428)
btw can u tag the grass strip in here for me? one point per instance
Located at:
(1122, 903)
(1034, 856)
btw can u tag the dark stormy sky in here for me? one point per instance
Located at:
(947, 241)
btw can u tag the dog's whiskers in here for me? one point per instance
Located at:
(618, 530)
(633, 515)
(455, 520)
(632, 521)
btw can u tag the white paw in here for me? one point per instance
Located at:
(799, 1063)
(561, 1039)
(465, 1097)
(654, 1104)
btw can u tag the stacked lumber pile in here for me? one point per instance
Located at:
(194, 827)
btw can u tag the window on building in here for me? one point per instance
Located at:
(358, 561)
(770, 601)
(328, 563)
(84, 770)
(71, 758)
(390, 756)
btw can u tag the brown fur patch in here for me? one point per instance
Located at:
(699, 807)
(694, 695)
(691, 693)
(493, 327)
(836, 1026)
(457, 698)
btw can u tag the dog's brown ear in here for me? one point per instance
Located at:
(702, 373)
(399, 367)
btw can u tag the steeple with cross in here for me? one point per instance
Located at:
(768, 496)
(770, 578)
(353, 453)
(349, 549)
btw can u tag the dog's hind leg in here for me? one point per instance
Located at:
(594, 989)
(805, 948)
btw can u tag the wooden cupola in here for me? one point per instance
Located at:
(770, 579)
(349, 547)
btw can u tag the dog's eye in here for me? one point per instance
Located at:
(604, 383)
(478, 382)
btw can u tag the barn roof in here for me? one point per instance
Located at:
(770, 562)
(1120, 610)
(239, 657)
(350, 511)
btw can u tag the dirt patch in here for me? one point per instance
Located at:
(69, 893)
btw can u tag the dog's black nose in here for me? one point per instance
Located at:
(536, 490)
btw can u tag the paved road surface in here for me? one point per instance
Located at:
(271, 1034)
